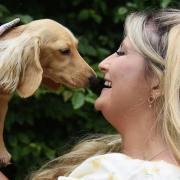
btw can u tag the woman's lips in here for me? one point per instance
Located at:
(105, 90)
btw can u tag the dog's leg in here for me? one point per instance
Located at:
(4, 154)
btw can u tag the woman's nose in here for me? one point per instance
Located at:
(104, 65)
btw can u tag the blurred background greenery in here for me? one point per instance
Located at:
(46, 125)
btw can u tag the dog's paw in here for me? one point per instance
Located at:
(5, 158)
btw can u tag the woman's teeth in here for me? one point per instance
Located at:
(107, 84)
(97, 84)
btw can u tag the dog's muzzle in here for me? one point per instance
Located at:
(96, 84)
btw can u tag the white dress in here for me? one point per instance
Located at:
(117, 166)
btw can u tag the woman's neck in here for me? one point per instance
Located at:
(141, 140)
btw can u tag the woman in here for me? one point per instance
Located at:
(141, 100)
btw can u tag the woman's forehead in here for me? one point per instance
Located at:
(128, 46)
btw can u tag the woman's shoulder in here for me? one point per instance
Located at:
(120, 166)
(126, 162)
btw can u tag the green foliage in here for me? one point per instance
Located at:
(41, 127)
(78, 100)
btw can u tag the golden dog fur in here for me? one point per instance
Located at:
(41, 51)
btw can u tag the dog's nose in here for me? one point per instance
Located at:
(96, 84)
(93, 80)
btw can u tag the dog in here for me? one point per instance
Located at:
(42, 51)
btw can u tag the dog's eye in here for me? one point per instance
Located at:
(65, 51)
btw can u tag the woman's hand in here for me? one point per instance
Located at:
(9, 25)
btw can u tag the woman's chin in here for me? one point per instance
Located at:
(98, 104)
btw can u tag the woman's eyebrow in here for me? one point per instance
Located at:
(122, 46)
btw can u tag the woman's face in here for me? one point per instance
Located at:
(125, 72)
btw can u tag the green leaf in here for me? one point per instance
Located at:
(13, 141)
(86, 14)
(3, 11)
(102, 52)
(25, 18)
(67, 95)
(35, 147)
(23, 138)
(120, 14)
(165, 3)
(86, 48)
(49, 152)
(78, 100)
(90, 97)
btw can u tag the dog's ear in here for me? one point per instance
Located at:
(50, 84)
(32, 75)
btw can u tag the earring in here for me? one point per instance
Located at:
(150, 101)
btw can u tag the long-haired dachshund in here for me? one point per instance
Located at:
(42, 51)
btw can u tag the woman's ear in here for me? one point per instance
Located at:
(155, 87)
(32, 75)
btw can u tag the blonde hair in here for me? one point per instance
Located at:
(91, 146)
(156, 35)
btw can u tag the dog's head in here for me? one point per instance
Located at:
(41, 51)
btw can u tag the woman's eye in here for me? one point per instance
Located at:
(120, 53)
(65, 51)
